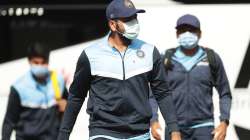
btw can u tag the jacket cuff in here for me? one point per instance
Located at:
(173, 127)
(154, 119)
(63, 136)
(225, 120)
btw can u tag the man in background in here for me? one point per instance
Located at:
(36, 100)
(192, 72)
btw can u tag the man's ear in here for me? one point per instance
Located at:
(29, 62)
(199, 34)
(112, 25)
(177, 34)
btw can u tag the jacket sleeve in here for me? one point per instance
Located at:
(12, 114)
(65, 93)
(223, 88)
(77, 94)
(154, 107)
(162, 93)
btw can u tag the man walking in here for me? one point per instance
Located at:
(192, 72)
(117, 72)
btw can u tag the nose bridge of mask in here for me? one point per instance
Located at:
(131, 22)
(39, 70)
(131, 26)
(188, 40)
(189, 35)
(131, 29)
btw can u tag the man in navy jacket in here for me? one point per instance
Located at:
(192, 72)
(117, 71)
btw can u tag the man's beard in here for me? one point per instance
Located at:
(125, 40)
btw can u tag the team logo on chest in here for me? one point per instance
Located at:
(140, 53)
(203, 62)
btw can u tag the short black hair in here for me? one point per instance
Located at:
(38, 49)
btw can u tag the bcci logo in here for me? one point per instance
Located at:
(129, 4)
(204, 60)
(140, 53)
(112, 16)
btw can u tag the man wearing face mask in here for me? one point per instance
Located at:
(36, 101)
(117, 71)
(192, 72)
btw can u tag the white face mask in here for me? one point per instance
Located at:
(188, 40)
(131, 29)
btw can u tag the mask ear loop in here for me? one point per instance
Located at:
(124, 25)
(118, 28)
(121, 35)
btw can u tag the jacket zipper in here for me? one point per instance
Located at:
(123, 65)
(188, 91)
(123, 69)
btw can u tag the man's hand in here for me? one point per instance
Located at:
(61, 105)
(220, 132)
(175, 136)
(155, 128)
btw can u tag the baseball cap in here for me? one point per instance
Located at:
(121, 9)
(188, 20)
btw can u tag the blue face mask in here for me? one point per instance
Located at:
(39, 71)
(188, 40)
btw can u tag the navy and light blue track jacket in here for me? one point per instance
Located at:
(32, 109)
(193, 90)
(118, 85)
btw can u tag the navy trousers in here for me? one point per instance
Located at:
(202, 133)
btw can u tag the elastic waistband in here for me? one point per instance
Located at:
(145, 136)
(199, 125)
(203, 125)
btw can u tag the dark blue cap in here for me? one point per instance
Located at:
(121, 9)
(188, 20)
